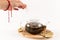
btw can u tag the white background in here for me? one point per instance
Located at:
(43, 10)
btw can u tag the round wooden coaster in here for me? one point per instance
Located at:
(47, 34)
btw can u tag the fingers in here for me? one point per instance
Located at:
(19, 4)
(22, 6)
(16, 9)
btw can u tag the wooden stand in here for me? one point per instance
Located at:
(47, 34)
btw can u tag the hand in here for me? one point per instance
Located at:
(3, 4)
(16, 4)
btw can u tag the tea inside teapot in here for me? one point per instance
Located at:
(34, 27)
